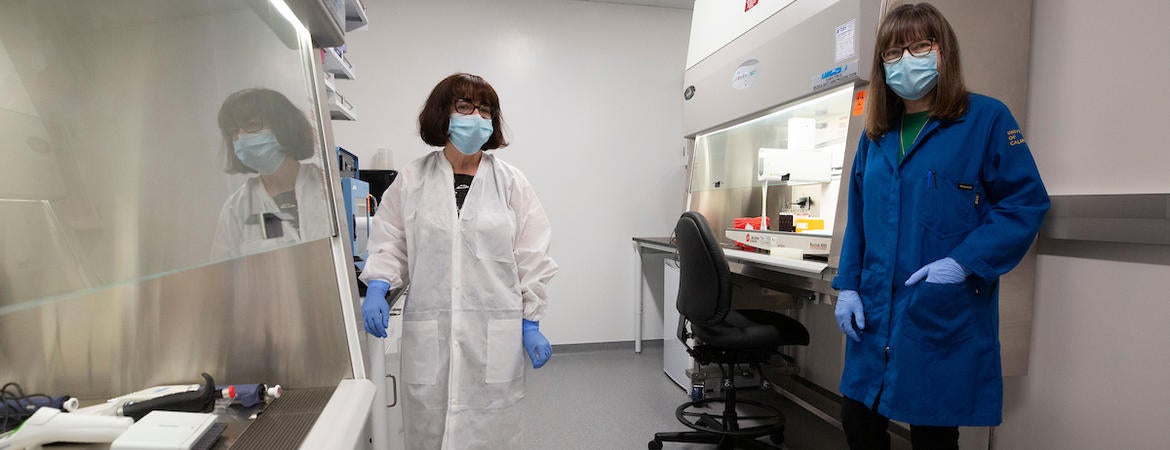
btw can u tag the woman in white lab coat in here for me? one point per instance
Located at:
(467, 232)
(284, 204)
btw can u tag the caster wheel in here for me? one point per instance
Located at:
(654, 445)
(696, 393)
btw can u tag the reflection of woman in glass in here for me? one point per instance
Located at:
(265, 134)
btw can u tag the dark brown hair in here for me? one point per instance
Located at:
(288, 124)
(902, 25)
(436, 113)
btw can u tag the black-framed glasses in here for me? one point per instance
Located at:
(917, 49)
(465, 106)
(253, 125)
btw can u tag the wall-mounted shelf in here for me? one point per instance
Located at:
(337, 65)
(355, 15)
(322, 19)
(339, 107)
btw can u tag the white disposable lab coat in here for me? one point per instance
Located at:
(473, 276)
(241, 225)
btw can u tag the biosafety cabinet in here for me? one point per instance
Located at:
(774, 107)
(128, 257)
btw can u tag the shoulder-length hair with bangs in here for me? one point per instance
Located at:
(902, 25)
(290, 126)
(436, 112)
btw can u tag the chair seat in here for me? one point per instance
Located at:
(737, 332)
(792, 332)
(751, 329)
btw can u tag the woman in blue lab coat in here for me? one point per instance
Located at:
(944, 199)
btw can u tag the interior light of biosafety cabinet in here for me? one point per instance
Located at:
(288, 15)
(789, 109)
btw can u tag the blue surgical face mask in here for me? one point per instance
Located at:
(912, 77)
(260, 151)
(469, 132)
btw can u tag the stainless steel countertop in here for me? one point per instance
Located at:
(785, 279)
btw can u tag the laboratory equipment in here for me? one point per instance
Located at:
(379, 180)
(32, 402)
(355, 193)
(809, 243)
(135, 296)
(198, 400)
(171, 430)
(792, 166)
(249, 395)
(49, 425)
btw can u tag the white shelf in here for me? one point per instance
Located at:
(337, 65)
(340, 108)
(355, 15)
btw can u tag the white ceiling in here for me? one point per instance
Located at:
(676, 4)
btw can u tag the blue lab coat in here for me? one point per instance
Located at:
(968, 189)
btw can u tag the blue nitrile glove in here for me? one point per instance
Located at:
(539, 350)
(943, 271)
(849, 312)
(375, 309)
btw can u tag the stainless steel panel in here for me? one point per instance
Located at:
(270, 317)
(110, 110)
(995, 37)
(722, 205)
(792, 47)
(1125, 218)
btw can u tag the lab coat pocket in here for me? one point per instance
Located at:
(490, 236)
(420, 343)
(950, 207)
(505, 351)
(940, 314)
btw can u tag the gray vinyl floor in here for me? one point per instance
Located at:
(614, 398)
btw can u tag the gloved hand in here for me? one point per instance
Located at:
(539, 350)
(375, 309)
(943, 271)
(849, 312)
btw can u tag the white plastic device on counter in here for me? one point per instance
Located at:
(165, 430)
(49, 425)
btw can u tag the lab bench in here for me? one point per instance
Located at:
(802, 280)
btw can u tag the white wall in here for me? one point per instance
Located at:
(1100, 357)
(592, 95)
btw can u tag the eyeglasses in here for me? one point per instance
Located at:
(253, 125)
(465, 106)
(917, 49)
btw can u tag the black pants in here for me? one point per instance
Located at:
(865, 429)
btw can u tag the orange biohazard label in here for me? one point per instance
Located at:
(859, 103)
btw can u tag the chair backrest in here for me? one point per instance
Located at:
(704, 291)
